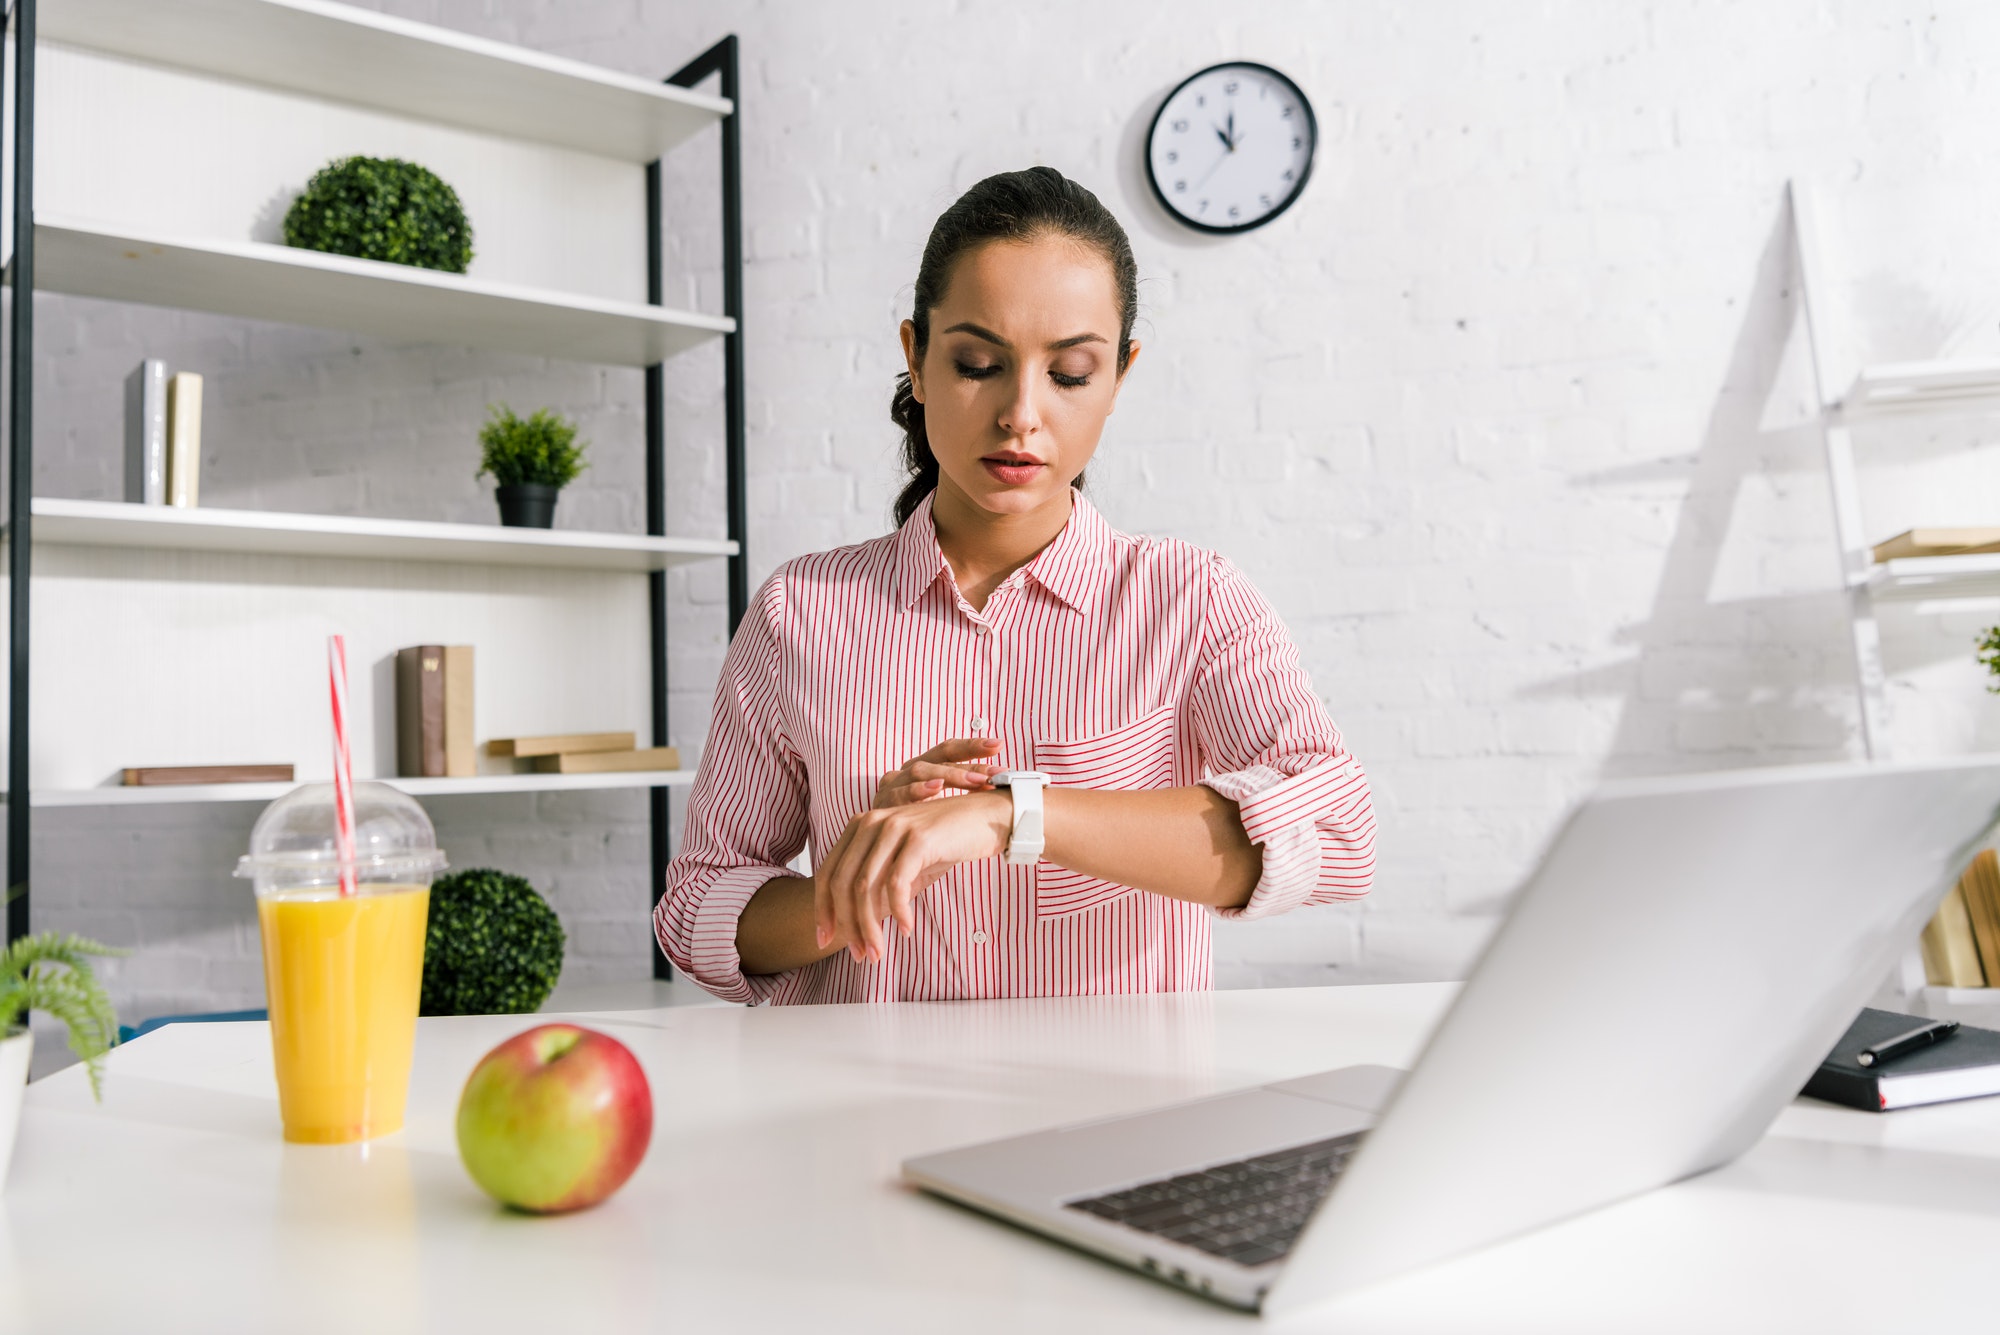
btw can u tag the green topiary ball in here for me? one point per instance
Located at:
(493, 947)
(382, 209)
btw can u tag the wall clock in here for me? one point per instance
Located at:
(1231, 148)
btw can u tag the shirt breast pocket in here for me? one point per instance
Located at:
(1138, 756)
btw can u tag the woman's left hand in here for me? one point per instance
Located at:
(886, 857)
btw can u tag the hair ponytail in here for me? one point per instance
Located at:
(1013, 206)
(907, 412)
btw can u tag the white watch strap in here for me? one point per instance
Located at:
(1025, 844)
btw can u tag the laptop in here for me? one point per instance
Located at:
(1667, 979)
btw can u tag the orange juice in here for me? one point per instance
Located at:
(343, 977)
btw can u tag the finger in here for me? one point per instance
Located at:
(822, 905)
(871, 897)
(850, 900)
(918, 791)
(904, 877)
(826, 904)
(958, 776)
(961, 748)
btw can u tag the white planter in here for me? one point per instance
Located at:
(14, 1055)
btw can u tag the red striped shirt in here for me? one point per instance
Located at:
(1109, 661)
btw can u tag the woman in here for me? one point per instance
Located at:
(873, 694)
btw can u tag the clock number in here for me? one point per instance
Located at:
(1234, 212)
(1173, 155)
(1288, 173)
(1179, 127)
(1203, 208)
(1200, 101)
(1285, 115)
(1296, 141)
(1229, 89)
(1265, 200)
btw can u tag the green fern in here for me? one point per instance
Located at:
(50, 972)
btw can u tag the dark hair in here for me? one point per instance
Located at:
(1013, 206)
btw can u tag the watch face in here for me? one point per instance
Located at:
(1231, 148)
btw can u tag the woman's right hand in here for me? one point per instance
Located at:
(952, 764)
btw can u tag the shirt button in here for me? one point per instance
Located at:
(980, 630)
(979, 938)
(979, 724)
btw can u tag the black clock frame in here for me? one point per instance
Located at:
(1312, 126)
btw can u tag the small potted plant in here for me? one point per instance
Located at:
(51, 973)
(532, 459)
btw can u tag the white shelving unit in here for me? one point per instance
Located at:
(113, 796)
(358, 56)
(1971, 576)
(1849, 395)
(166, 133)
(1921, 387)
(61, 522)
(265, 282)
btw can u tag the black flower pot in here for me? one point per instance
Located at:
(528, 505)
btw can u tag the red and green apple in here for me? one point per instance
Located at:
(555, 1119)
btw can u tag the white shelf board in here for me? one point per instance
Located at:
(390, 64)
(1923, 386)
(269, 792)
(265, 282)
(1971, 576)
(117, 524)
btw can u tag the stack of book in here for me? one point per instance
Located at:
(162, 435)
(1962, 943)
(434, 712)
(160, 776)
(586, 753)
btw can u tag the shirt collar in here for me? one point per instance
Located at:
(1071, 567)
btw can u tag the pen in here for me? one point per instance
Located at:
(1921, 1037)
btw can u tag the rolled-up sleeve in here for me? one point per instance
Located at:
(746, 817)
(1270, 747)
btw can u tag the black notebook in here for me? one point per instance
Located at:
(1964, 1066)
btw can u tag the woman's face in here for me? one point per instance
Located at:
(1021, 371)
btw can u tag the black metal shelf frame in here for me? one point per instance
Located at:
(719, 60)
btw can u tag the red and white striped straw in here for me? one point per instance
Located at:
(343, 765)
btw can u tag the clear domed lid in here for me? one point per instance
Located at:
(293, 842)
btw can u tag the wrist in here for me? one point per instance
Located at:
(996, 809)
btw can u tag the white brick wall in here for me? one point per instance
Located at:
(1507, 416)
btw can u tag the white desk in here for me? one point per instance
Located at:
(769, 1199)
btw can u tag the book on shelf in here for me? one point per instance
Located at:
(1939, 542)
(159, 776)
(183, 438)
(146, 433)
(434, 712)
(1981, 888)
(1964, 1066)
(461, 756)
(574, 743)
(610, 762)
(1951, 956)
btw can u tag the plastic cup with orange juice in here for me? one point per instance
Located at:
(343, 966)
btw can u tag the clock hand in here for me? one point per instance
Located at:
(1211, 171)
(1232, 131)
(1227, 146)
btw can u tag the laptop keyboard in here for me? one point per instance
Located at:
(1250, 1211)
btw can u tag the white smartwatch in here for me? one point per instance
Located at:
(1024, 846)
